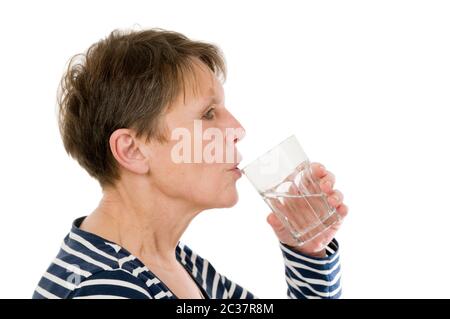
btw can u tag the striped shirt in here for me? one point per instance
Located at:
(88, 266)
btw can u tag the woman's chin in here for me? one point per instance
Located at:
(225, 199)
(230, 200)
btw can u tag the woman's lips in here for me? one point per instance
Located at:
(236, 170)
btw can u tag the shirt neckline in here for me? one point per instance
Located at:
(105, 244)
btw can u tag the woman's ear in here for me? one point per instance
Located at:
(126, 149)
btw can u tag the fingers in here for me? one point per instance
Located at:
(335, 198)
(318, 170)
(342, 210)
(297, 213)
(325, 178)
(327, 183)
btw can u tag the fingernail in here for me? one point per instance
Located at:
(336, 198)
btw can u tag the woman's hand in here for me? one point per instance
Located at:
(316, 246)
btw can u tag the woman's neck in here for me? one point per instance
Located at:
(148, 226)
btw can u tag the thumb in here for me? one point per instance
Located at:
(280, 230)
(276, 224)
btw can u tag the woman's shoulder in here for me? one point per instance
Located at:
(83, 267)
(88, 265)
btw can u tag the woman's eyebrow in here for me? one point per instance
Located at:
(208, 101)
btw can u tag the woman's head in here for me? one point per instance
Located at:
(146, 109)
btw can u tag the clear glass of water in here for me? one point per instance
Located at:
(284, 179)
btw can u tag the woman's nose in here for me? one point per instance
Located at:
(239, 131)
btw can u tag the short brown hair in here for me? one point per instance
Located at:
(126, 80)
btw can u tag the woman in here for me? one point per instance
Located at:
(121, 104)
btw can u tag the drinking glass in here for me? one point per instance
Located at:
(284, 179)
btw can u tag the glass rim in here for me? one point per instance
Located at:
(267, 152)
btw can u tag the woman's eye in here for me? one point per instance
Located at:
(209, 115)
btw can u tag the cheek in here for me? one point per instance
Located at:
(217, 187)
(211, 186)
(192, 182)
(206, 180)
(205, 185)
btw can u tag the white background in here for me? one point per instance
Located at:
(363, 84)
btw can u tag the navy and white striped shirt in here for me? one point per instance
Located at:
(88, 266)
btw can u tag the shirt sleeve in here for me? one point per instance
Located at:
(111, 284)
(235, 291)
(312, 278)
(306, 277)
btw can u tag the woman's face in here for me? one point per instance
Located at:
(198, 163)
